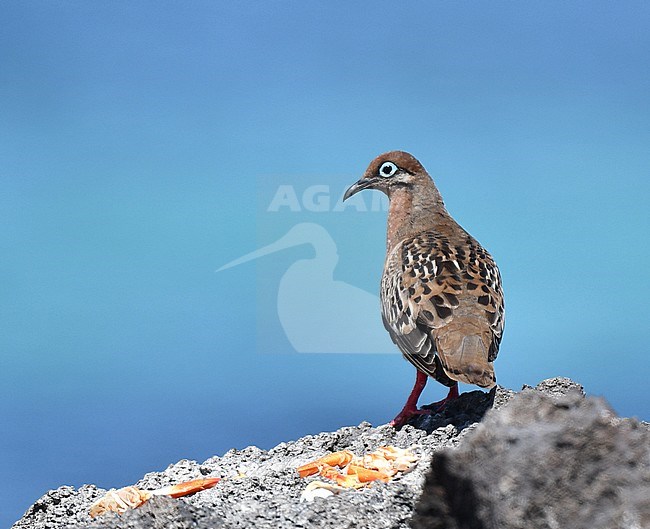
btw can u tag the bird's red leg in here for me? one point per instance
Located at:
(440, 405)
(411, 407)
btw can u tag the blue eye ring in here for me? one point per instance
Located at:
(387, 169)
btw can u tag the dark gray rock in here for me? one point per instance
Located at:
(548, 459)
(261, 488)
(269, 494)
(161, 513)
(60, 507)
(558, 387)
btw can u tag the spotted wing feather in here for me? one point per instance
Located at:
(432, 290)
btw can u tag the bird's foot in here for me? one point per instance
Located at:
(437, 407)
(410, 410)
(407, 414)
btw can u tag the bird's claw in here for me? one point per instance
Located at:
(437, 407)
(411, 411)
(406, 415)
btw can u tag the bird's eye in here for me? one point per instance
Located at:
(387, 169)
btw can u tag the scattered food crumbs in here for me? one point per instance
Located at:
(319, 489)
(121, 500)
(384, 464)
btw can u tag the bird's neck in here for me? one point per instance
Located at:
(414, 210)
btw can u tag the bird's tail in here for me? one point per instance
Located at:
(464, 355)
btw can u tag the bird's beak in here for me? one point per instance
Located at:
(364, 183)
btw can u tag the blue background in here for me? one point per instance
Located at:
(133, 137)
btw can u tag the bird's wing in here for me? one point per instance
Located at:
(489, 284)
(427, 283)
(400, 314)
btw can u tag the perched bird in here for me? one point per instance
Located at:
(441, 295)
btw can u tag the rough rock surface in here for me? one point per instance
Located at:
(544, 462)
(262, 489)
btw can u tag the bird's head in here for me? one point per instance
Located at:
(390, 171)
